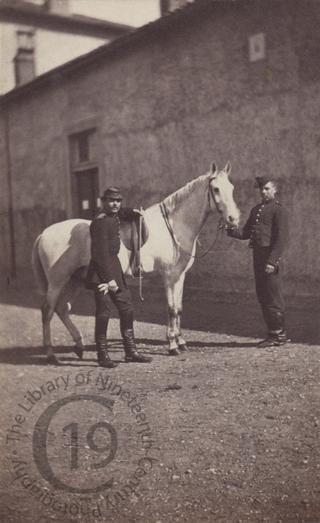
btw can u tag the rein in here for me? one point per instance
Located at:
(219, 228)
(176, 243)
(165, 216)
(140, 266)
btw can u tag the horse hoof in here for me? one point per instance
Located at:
(173, 352)
(53, 360)
(183, 347)
(79, 352)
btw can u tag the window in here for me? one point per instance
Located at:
(84, 172)
(81, 145)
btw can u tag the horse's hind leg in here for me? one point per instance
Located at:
(63, 307)
(47, 311)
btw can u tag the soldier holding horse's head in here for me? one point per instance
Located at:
(267, 232)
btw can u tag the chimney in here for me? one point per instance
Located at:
(58, 7)
(167, 6)
(24, 63)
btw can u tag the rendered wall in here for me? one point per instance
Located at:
(167, 106)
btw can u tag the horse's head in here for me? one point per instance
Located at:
(221, 194)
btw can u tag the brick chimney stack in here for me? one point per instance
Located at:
(24, 61)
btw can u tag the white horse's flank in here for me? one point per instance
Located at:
(64, 247)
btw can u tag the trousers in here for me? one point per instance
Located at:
(268, 289)
(123, 302)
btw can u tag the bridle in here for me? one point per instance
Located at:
(211, 192)
(164, 212)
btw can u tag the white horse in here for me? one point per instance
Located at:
(173, 225)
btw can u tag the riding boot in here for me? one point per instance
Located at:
(102, 344)
(130, 348)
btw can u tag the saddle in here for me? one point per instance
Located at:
(134, 234)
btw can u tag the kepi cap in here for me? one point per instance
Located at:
(112, 192)
(261, 181)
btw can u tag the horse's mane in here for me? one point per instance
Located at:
(174, 200)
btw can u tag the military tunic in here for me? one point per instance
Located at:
(105, 266)
(267, 230)
(105, 246)
(267, 226)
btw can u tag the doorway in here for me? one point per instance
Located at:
(87, 193)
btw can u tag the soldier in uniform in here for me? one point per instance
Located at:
(267, 230)
(106, 278)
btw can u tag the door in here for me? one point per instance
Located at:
(88, 193)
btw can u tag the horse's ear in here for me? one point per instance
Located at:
(227, 168)
(213, 169)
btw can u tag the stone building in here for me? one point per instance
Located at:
(38, 35)
(216, 80)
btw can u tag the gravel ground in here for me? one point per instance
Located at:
(226, 432)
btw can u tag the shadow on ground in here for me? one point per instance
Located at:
(232, 314)
(36, 355)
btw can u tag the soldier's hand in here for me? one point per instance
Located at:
(137, 211)
(231, 229)
(270, 268)
(103, 287)
(113, 286)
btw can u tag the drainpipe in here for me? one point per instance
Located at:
(13, 263)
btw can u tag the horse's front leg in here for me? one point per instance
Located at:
(178, 295)
(182, 344)
(174, 293)
(172, 330)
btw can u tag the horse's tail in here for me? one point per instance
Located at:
(38, 271)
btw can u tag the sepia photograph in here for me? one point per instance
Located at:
(159, 254)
